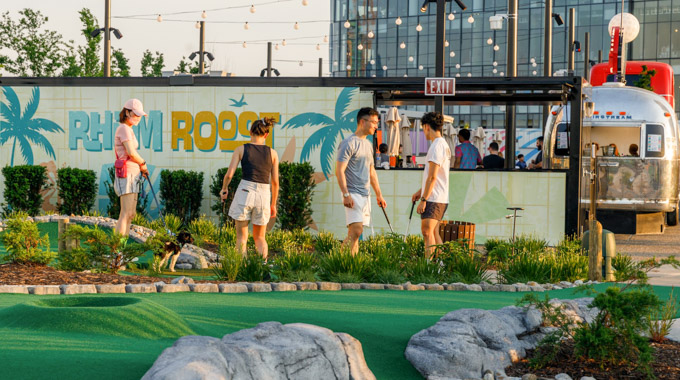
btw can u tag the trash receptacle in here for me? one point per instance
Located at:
(608, 252)
(457, 231)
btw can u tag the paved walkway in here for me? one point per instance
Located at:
(642, 247)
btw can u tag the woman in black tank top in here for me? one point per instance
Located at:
(257, 194)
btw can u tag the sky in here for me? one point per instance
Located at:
(273, 20)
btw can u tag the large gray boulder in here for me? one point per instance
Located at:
(468, 342)
(268, 351)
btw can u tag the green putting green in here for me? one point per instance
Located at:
(382, 320)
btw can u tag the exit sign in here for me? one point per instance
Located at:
(440, 86)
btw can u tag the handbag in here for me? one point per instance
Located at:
(121, 166)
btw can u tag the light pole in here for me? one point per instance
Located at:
(547, 45)
(511, 71)
(201, 50)
(572, 37)
(107, 29)
(439, 44)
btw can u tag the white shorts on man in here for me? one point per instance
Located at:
(361, 212)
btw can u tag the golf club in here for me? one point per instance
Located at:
(388, 219)
(158, 205)
(408, 226)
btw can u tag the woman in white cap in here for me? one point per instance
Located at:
(128, 177)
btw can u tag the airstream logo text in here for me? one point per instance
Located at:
(612, 117)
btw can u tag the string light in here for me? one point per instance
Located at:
(385, 68)
(276, 47)
(371, 34)
(469, 75)
(489, 41)
(372, 61)
(411, 59)
(246, 26)
(283, 43)
(160, 18)
(458, 65)
(325, 38)
(349, 67)
(502, 74)
(494, 71)
(245, 45)
(302, 63)
(305, 3)
(419, 28)
(198, 25)
(252, 9)
(457, 75)
(534, 64)
(496, 48)
(471, 19)
(402, 45)
(296, 26)
(452, 54)
(405, 75)
(359, 47)
(347, 24)
(420, 67)
(452, 16)
(446, 43)
(495, 63)
(204, 15)
(532, 60)
(534, 72)
(398, 21)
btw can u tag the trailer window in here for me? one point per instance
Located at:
(654, 141)
(561, 147)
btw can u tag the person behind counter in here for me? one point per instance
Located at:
(493, 160)
(520, 164)
(634, 150)
(537, 163)
(467, 155)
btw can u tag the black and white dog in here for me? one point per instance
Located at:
(173, 248)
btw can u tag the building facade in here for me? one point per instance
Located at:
(384, 39)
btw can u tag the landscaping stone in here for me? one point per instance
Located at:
(258, 287)
(533, 283)
(473, 287)
(372, 286)
(393, 287)
(467, 343)
(172, 288)
(529, 376)
(578, 283)
(268, 351)
(41, 219)
(17, 289)
(434, 287)
(522, 288)
(204, 288)
(557, 287)
(182, 280)
(184, 266)
(490, 287)
(233, 288)
(350, 286)
(587, 378)
(508, 288)
(562, 376)
(457, 286)
(328, 285)
(283, 287)
(140, 288)
(306, 285)
(110, 288)
(538, 288)
(548, 286)
(412, 287)
(566, 284)
(44, 289)
(78, 289)
(488, 375)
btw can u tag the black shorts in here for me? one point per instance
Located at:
(434, 210)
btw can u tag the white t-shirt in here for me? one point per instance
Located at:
(439, 153)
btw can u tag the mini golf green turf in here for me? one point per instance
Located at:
(382, 320)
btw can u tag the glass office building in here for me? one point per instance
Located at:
(375, 45)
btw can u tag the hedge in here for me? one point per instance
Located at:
(77, 190)
(181, 193)
(23, 185)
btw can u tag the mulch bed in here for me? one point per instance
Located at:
(18, 274)
(666, 365)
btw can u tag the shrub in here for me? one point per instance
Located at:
(624, 267)
(525, 267)
(181, 193)
(499, 253)
(295, 266)
(570, 245)
(226, 236)
(77, 190)
(202, 230)
(228, 265)
(422, 270)
(529, 243)
(279, 241)
(23, 185)
(173, 222)
(491, 244)
(113, 208)
(109, 251)
(325, 242)
(216, 187)
(141, 220)
(388, 254)
(568, 266)
(155, 269)
(23, 241)
(253, 268)
(295, 195)
(660, 321)
(76, 260)
(463, 264)
(340, 264)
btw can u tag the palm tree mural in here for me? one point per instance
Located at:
(22, 127)
(330, 131)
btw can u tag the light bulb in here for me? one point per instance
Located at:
(411, 59)
(496, 48)
(458, 65)
(534, 64)
(276, 47)
(402, 45)
(296, 26)
(452, 54)
(494, 71)
(502, 74)
(373, 75)
(347, 24)
(495, 63)
(252, 9)
(283, 43)
(452, 16)
(446, 43)
(335, 63)
(398, 21)
(359, 47)
(245, 45)
(301, 64)
(534, 72)
(457, 75)
(405, 75)
(349, 67)
(419, 28)
(471, 19)
(420, 67)
(371, 34)
(159, 18)
(489, 41)
(305, 3)
(204, 15)
(372, 61)
(246, 26)
(384, 68)
(469, 74)
(198, 25)
(532, 60)
(325, 38)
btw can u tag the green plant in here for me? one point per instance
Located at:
(525, 267)
(570, 245)
(279, 241)
(141, 220)
(499, 253)
(202, 230)
(76, 260)
(113, 208)
(492, 243)
(645, 79)
(568, 266)
(660, 321)
(304, 241)
(23, 187)
(422, 270)
(181, 193)
(295, 266)
(173, 222)
(463, 264)
(222, 209)
(229, 264)
(23, 241)
(109, 251)
(325, 242)
(253, 268)
(340, 261)
(226, 236)
(529, 243)
(155, 269)
(77, 189)
(624, 267)
(295, 195)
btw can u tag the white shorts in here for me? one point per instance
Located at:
(361, 212)
(127, 185)
(252, 201)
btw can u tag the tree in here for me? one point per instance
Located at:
(152, 66)
(187, 67)
(119, 64)
(87, 62)
(38, 52)
(645, 80)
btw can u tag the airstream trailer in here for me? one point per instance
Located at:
(623, 117)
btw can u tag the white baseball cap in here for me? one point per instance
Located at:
(136, 106)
